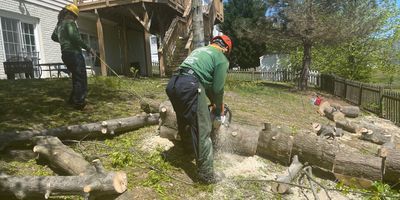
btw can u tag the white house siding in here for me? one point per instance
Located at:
(44, 13)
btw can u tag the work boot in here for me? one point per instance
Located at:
(215, 178)
(80, 106)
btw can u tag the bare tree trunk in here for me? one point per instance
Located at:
(198, 25)
(307, 44)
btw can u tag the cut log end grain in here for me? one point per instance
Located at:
(120, 182)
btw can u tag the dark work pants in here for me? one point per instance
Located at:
(76, 65)
(190, 103)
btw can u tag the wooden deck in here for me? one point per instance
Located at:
(86, 5)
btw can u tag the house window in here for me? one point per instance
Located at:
(19, 40)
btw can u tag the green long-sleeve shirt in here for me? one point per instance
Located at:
(211, 66)
(67, 34)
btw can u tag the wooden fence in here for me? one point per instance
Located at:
(374, 98)
(275, 75)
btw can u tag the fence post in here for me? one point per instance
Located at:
(252, 75)
(381, 90)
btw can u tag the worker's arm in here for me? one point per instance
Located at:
(74, 36)
(54, 36)
(220, 73)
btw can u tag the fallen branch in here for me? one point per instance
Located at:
(61, 157)
(291, 173)
(43, 187)
(98, 129)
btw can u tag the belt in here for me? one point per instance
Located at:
(187, 71)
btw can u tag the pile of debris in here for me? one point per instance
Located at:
(76, 175)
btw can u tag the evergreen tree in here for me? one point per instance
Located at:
(246, 51)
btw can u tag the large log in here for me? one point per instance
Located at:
(350, 111)
(282, 186)
(98, 129)
(375, 135)
(275, 143)
(392, 166)
(42, 187)
(239, 139)
(351, 162)
(167, 115)
(334, 115)
(62, 158)
(149, 106)
(327, 131)
(348, 126)
(315, 150)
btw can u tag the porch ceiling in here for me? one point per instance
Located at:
(160, 15)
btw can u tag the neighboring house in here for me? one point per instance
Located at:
(120, 31)
(272, 62)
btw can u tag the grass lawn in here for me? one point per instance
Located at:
(155, 174)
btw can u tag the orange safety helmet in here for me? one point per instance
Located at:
(225, 39)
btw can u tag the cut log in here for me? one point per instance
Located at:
(91, 130)
(325, 131)
(290, 174)
(383, 151)
(348, 126)
(334, 115)
(275, 143)
(315, 150)
(324, 106)
(350, 111)
(167, 115)
(62, 159)
(239, 139)
(392, 166)
(351, 162)
(376, 136)
(169, 133)
(149, 106)
(43, 187)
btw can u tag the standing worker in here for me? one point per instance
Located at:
(202, 74)
(67, 34)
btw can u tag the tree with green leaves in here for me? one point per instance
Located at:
(246, 52)
(307, 23)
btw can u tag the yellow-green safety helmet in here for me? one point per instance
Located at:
(73, 8)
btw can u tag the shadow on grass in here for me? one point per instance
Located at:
(180, 158)
(41, 103)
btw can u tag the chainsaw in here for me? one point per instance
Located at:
(227, 114)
